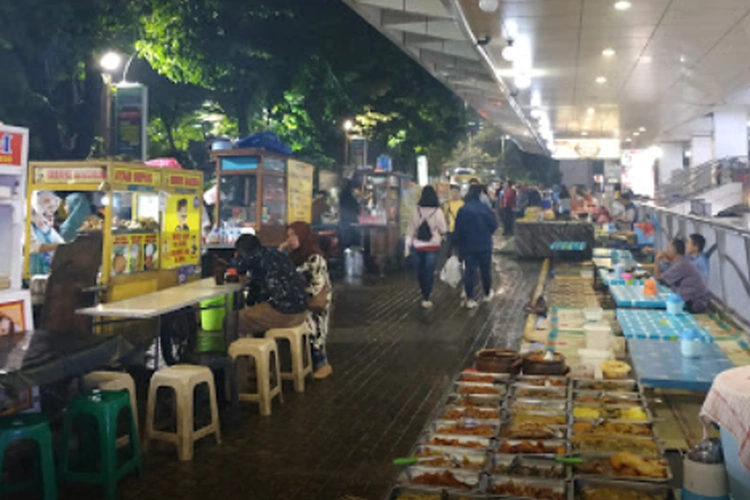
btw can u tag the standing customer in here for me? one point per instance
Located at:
(450, 209)
(475, 226)
(425, 232)
(349, 210)
(509, 209)
(307, 256)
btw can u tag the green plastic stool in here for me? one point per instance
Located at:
(105, 407)
(34, 427)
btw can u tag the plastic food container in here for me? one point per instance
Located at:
(595, 358)
(690, 344)
(598, 336)
(593, 314)
(675, 304)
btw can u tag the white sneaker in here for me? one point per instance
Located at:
(426, 304)
(471, 304)
(489, 297)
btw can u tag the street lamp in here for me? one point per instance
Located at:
(111, 62)
(348, 126)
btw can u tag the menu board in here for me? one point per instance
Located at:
(181, 232)
(299, 191)
(135, 252)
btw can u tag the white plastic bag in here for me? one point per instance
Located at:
(451, 273)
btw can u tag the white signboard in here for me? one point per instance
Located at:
(580, 149)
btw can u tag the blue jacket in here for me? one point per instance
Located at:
(475, 225)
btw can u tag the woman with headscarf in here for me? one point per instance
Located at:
(79, 208)
(44, 238)
(306, 254)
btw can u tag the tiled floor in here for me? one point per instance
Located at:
(392, 361)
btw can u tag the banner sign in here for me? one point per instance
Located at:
(181, 232)
(14, 145)
(578, 149)
(136, 178)
(299, 191)
(189, 181)
(83, 175)
(131, 119)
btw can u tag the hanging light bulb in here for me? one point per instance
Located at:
(488, 5)
(509, 52)
(523, 80)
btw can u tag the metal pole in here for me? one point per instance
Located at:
(346, 149)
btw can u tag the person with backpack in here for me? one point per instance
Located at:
(424, 235)
(475, 225)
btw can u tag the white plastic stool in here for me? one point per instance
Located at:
(114, 381)
(183, 379)
(262, 351)
(299, 343)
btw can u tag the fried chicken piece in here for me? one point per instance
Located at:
(643, 467)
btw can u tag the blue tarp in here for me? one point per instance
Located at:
(265, 140)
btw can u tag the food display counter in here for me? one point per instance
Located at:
(261, 191)
(150, 220)
(534, 238)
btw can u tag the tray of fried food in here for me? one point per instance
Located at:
(515, 487)
(473, 376)
(627, 385)
(624, 465)
(458, 412)
(541, 417)
(421, 493)
(548, 405)
(527, 466)
(450, 458)
(458, 442)
(441, 478)
(608, 489)
(493, 391)
(610, 427)
(611, 412)
(615, 444)
(542, 381)
(465, 427)
(531, 392)
(548, 447)
(519, 428)
(608, 398)
(479, 400)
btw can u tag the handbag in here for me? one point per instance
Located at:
(319, 302)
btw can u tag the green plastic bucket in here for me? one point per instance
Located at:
(212, 314)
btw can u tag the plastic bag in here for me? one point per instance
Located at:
(451, 273)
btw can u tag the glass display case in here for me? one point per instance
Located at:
(135, 232)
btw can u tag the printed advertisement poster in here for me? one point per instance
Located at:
(299, 201)
(131, 117)
(181, 233)
(14, 145)
(133, 253)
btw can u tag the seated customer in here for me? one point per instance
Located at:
(276, 291)
(694, 252)
(683, 277)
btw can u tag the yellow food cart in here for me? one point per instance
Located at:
(150, 219)
(260, 190)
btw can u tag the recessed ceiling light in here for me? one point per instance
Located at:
(623, 5)
(636, 134)
(683, 59)
(591, 111)
(646, 59)
(601, 79)
(608, 52)
(584, 133)
(488, 5)
(628, 140)
(642, 129)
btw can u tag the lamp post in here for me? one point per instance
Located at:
(348, 125)
(110, 63)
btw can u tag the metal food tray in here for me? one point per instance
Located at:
(487, 443)
(484, 400)
(501, 389)
(399, 493)
(624, 397)
(565, 414)
(650, 425)
(562, 431)
(659, 447)
(498, 378)
(533, 392)
(435, 425)
(479, 456)
(548, 444)
(604, 456)
(549, 405)
(587, 384)
(461, 408)
(475, 479)
(528, 380)
(581, 485)
(649, 415)
(499, 459)
(557, 486)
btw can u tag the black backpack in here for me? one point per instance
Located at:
(424, 233)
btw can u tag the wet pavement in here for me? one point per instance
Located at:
(393, 362)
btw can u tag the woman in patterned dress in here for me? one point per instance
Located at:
(307, 256)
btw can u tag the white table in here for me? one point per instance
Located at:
(155, 304)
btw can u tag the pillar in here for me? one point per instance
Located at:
(702, 147)
(730, 132)
(671, 160)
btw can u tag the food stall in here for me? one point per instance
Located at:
(262, 191)
(388, 201)
(150, 219)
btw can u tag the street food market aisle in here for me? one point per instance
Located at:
(393, 363)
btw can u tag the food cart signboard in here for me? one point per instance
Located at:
(83, 175)
(299, 188)
(14, 146)
(135, 179)
(181, 233)
(184, 182)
